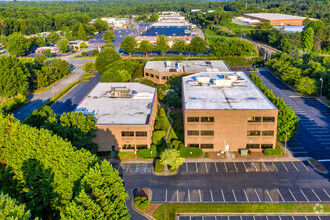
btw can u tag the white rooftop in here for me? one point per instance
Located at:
(187, 66)
(275, 16)
(111, 108)
(222, 91)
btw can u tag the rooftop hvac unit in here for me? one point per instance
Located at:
(168, 64)
(223, 83)
(180, 65)
(232, 77)
(203, 79)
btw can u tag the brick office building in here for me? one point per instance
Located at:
(226, 111)
(125, 114)
(159, 72)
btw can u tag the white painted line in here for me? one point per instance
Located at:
(285, 166)
(189, 217)
(166, 195)
(127, 168)
(326, 193)
(188, 195)
(177, 195)
(145, 167)
(274, 166)
(292, 195)
(267, 217)
(234, 195)
(304, 195)
(226, 167)
(324, 160)
(255, 166)
(196, 168)
(257, 195)
(306, 217)
(241, 218)
(206, 168)
(187, 167)
(223, 196)
(280, 195)
(265, 166)
(118, 168)
(293, 218)
(216, 168)
(200, 195)
(247, 198)
(294, 166)
(300, 152)
(319, 217)
(244, 166)
(211, 195)
(316, 195)
(254, 218)
(269, 195)
(235, 167)
(280, 217)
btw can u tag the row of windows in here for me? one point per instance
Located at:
(131, 147)
(257, 146)
(257, 133)
(202, 119)
(203, 133)
(156, 76)
(203, 146)
(258, 119)
(131, 133)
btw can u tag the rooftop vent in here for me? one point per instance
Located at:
(172, 70)
(120, 92)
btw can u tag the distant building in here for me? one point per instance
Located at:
(125, 114)
(277, 19)
(117, 23)
(226, 111)
(195, 10)
(52, 49)
(159, 72)
(171, 18)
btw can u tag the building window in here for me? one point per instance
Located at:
(207, 133)
(193, 119)
(127, 133)
(157, 77)
(141, 134)
(264, 146)
(253, 146)
(268, 119)
(207, 119)
(267, 133)
(164, 77)
(193, 145)
(254, 119)
(207, 146)
(253, 133)
(193, 133)
(138, 147)
(152, 75)
(147, 74)
(128, 147)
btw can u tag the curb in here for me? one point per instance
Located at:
(162, 174)
(322, 102)
(138, 210)
(317, 170)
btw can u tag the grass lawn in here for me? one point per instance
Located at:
(168, 211)
(83, 58)
(164, 122)
(41, 90)
(125, 155)
(177, 125)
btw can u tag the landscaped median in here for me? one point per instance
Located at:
(169, 211)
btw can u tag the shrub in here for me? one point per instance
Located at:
(124, 155)
(159, 167)
(190, 152)
(172, 169)
(147, 153)
(13, 103)
(158, 125)
(206, 155)
(158, 136)
(141, 202)
(95, 52)
(84, 54)
(162, 112)
(83, 45)
(271, 151)
(176, 144)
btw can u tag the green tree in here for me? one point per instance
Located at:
(82, 33)
(198, 45)
(308, 39)
(17, 44)
(52, 37)
(179, 45)
(172, 158)
(67, 33)
(162, 44)
(101, 25)
(153, 17)
(157, 137)
(83, 45)
(3, 40)
(128, 45)
(146, 47)
(14, 76)
(306, 85)
(88, 67)
(11, 209)
(108, 36)
(47, 53)
(63, 44)
(106, 58)
(116, 75)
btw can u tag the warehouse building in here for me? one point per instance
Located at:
(226, 111)
(125, 114)
(277, 19)
(159, 72)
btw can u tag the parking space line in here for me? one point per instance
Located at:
(226, 167)
(294, 166)
(257, 195)
(234, 195)
(255, 166)
(211, 195)
(306, 217)
(285, 166)
(280, 195)
(216, 168)
(187, 167)
(247, 198)
(319, 217)
(304, 165)
(304, 195)
(127, 168)
(241, 218)
(265, 166)
(292, 195)
(196, 167)
(206, 168)
(269, 195)
(166, 195)
(177, 195)
(280, 217)
(118, 168)
(145, 167)
(245, 167)
(200, 195)
(326, 193)
(267, 217)
(254, 218)
(235, 167)
(274, 166)
(188, 195)
(223, 196)
(316, 195)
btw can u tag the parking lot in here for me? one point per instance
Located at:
(254, 217)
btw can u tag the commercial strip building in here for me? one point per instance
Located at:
(125, 114)
(226, 111)
(159, 72)
(276, 19)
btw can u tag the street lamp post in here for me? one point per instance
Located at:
(321, 87)
(286, 140)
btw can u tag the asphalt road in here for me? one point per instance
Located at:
(313, 138)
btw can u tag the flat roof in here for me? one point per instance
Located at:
(109, 109)
(242, 94)
(193, 66)
(275, 16)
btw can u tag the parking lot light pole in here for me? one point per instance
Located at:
(321, 87)
(286, 140)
